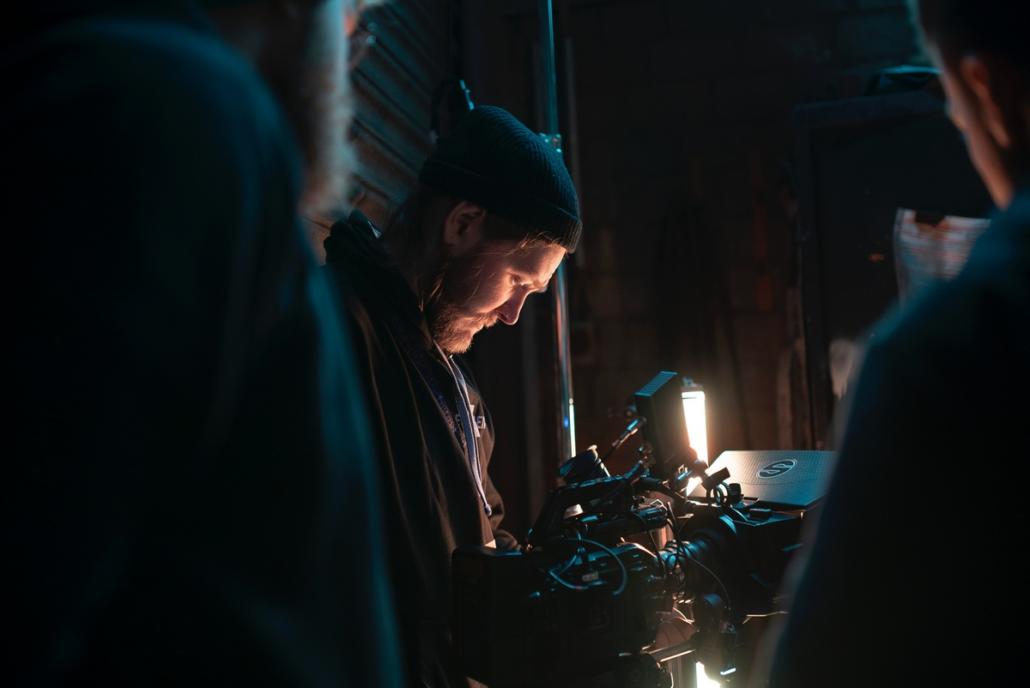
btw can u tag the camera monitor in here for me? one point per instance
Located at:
(660, 403)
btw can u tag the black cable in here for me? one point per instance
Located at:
(685, 553)
(631, 429)
(622, 567)
(556, 574)
(566, 565)
(613, 555)
(565, 584)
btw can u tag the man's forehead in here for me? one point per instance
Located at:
(538, 261)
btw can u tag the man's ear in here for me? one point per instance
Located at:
(463, 227)
(995, 91)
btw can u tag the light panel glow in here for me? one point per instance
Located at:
(701, 678)
(572, 427)
(694, 412)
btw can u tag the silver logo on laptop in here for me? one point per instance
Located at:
(777, 468)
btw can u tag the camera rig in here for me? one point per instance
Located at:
(581, 604)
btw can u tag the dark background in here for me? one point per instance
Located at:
(700, 186)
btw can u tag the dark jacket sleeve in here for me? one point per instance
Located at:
(904, 581)
(840, 606)
(502, 538)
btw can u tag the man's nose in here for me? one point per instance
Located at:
(509, 312)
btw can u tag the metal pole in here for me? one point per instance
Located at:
(547, 64)
(567, 426)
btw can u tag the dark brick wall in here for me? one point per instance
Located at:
(399, 52)
(684, 147)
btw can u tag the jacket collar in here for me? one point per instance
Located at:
(357, 256)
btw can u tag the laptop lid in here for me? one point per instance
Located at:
(783, 478)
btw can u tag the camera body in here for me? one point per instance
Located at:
(581, 604)
(519, 627)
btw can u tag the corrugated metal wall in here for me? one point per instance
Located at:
(400, 54)
(403, 49)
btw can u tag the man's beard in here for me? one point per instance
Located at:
(453, 329)
(450, 324)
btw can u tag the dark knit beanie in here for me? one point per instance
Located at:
(492, 159)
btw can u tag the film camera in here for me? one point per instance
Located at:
(581, 604)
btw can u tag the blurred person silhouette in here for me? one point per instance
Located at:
(193, 498)
(911, 575)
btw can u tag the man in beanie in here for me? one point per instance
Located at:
(493, 217)
(190, 473)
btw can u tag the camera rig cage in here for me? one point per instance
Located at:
(581, 603)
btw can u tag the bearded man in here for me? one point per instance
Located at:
(493, 217)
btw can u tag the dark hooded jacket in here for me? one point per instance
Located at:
(913, 573)
(428, 471)
(189, 480)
